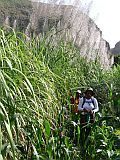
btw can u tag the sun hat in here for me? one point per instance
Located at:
(90, 89)
(78, 91)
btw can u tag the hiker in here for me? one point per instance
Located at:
(87, 107)
(76, 101)
(74, 117)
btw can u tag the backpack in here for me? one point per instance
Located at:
(92, 102)
(84, 119)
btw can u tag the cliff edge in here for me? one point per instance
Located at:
(35, 18)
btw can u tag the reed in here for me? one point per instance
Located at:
(35, 77)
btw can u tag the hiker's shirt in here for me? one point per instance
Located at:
(75, 108)
(90, 104)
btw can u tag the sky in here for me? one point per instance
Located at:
(106, 14)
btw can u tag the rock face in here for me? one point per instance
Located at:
(15, 13)
(116, 50)
(34, 18)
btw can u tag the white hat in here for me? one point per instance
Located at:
(79, 91)
(90, 89)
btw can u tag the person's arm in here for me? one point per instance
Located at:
(96, 109)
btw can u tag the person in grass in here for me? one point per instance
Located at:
(87, 107)
(70, 97)
(76, 101)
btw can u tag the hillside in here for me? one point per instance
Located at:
(15, 10)
(69, 22)
(116, 49)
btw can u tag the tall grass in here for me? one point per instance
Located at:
(35, 77)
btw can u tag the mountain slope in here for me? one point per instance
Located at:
(116, 49)
(34, 18)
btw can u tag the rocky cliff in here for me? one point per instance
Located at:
(116, 50)
(15, 13)
(34, 18)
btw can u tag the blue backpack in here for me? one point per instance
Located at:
(92, 102)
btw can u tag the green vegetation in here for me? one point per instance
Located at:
(35, 77)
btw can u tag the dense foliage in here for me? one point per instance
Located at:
(35, 77)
